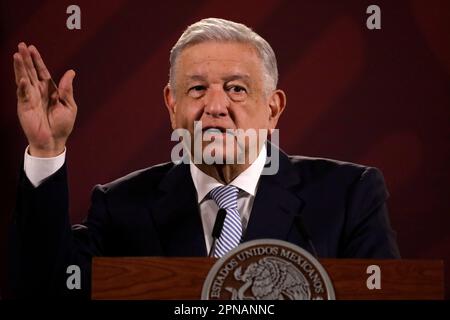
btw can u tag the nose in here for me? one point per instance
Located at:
(216, 103)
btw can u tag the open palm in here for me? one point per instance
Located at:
(46, 112)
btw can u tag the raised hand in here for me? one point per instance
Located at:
(46, 112)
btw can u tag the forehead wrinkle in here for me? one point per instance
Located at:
(198, 77)
(225, 78)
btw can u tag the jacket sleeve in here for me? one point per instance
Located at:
(47, 244)
(367, 231)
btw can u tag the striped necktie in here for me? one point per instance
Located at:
(226, 198)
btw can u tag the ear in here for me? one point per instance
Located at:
(169, 100)
(277, 103)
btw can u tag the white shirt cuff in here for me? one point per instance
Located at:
(39, 169)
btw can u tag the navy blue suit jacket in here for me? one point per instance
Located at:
(154, 212)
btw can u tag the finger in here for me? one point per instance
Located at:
(39, 64)
(19, 68)
(65, 87)
(53, 91)
(23, 89)
(29, 66)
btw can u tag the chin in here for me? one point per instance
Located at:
(217, 153)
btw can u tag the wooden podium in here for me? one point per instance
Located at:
(182, 278)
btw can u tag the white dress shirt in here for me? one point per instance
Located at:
(39, 169)
(247, 182)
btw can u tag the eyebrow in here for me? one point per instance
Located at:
(243, 77)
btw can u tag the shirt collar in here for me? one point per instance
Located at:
(247, 180)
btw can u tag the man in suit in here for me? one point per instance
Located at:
(224, 75)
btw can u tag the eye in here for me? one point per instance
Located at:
(196, 91)
(236, 92)
(198, 88)
(236, 89)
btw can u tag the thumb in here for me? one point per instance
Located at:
(65, 87)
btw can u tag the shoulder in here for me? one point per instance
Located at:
(314, 169)
(135, 182)
(322, 165)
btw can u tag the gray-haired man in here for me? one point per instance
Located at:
(224, 75)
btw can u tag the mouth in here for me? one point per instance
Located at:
(212, 129)
(218, 131)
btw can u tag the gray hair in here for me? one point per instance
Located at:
(220, 30)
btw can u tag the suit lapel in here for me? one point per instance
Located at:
(178, 222)
(176, 215)
(276, 204)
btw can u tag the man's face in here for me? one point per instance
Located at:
(222, 85)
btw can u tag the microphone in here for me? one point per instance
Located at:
(217, 229)
(305, 234)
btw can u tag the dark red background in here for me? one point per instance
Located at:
(381, 98)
